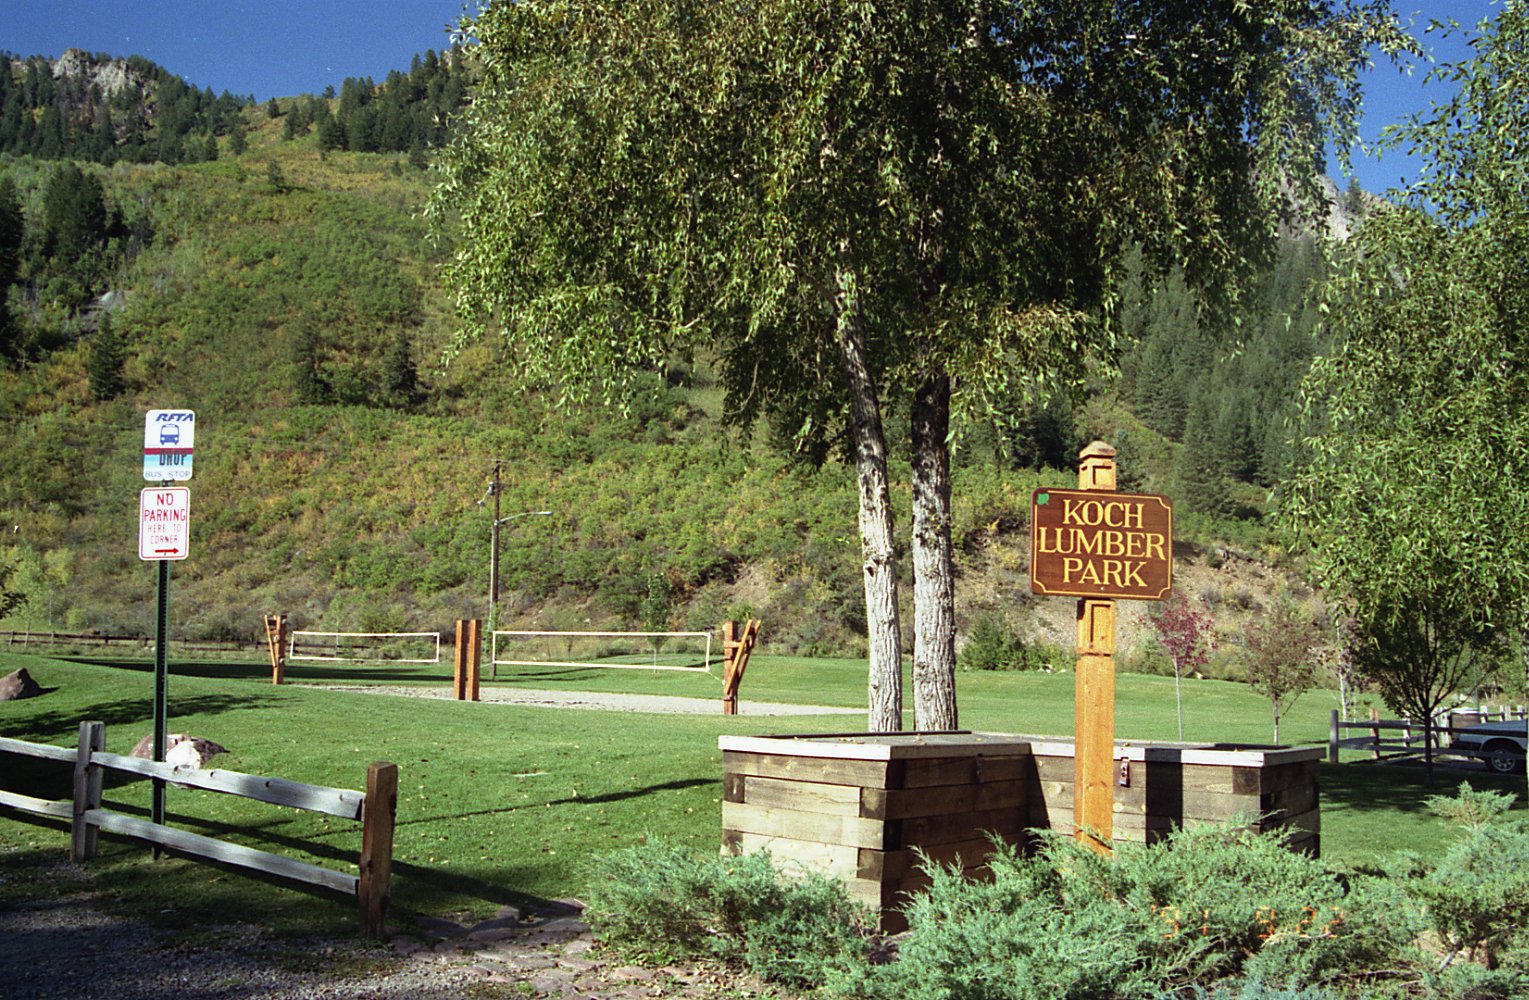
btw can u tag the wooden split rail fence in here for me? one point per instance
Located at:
(1389, 739)
(375, 808)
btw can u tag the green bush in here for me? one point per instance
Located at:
(1209, 905)
(664, 902)
(1477, 898)
(992, 644)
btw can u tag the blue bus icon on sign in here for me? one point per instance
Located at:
(168, 439)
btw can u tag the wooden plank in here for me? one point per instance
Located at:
(804, 796)
(374, 888)
(1310, 821)
(1054, 768)
(972, 853)
(61, 809)
(790, 823)
(199, 846)
(972, 770)
(868, 893)
(838, 860)
(43, 750)
(879, 746)
(926, 831)
(904, 803)
(862, 773)
(342, 802)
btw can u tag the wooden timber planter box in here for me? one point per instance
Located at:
(857, 805)
(1169, 786)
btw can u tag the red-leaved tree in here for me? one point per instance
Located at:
(1186, 637)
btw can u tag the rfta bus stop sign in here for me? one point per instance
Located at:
(168, 437)
(1089, 543)
(164, 523)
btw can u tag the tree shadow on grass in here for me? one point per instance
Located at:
(62, 726)
(301, 673)
(1405, 787)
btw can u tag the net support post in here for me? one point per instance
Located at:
(276, 639)
(468, 662)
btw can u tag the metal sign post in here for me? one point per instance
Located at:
(164, 536)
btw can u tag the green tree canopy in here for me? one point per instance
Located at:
(1413, 504)
(852, 201)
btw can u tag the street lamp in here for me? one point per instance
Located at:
(493, 564)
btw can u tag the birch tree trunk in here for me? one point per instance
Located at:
(934, 601)
(885, 694)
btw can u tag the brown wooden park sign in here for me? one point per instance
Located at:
(1098, 545)
(1117, 545)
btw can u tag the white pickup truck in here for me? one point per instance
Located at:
(1503, 744)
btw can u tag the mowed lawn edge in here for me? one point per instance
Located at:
(505, 804)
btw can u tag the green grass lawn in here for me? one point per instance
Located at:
(501, 804)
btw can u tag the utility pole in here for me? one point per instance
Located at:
(493, 569)
(493, 559)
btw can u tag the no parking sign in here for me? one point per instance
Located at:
(164, 523)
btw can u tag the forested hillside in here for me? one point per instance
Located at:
(282, 283)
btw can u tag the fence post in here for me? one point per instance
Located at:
(87, 792)
(377, 816)
(1375, 733)
(474, 657)
(1332, 738)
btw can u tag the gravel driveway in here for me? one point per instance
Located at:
(71, 948)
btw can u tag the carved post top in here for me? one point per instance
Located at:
(1096, 467)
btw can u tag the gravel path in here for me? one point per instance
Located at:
(69, 948)
(596, 700)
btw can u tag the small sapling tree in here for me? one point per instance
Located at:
(656, 607)
(1185, 635)
(1281, 657)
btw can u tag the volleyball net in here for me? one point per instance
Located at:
(680, 651)
(364, 647)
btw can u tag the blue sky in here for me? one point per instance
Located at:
(277, 48)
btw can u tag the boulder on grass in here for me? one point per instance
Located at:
(197, 752)
(17, 685)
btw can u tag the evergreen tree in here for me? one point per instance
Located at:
(108, 354)
(308, 384)
(331, 135)
(400, 379)
(73, 232)
(272, 109)
(237, 142)
(12, 232)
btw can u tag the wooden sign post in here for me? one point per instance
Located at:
(1098, 545)
(1094, 725)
